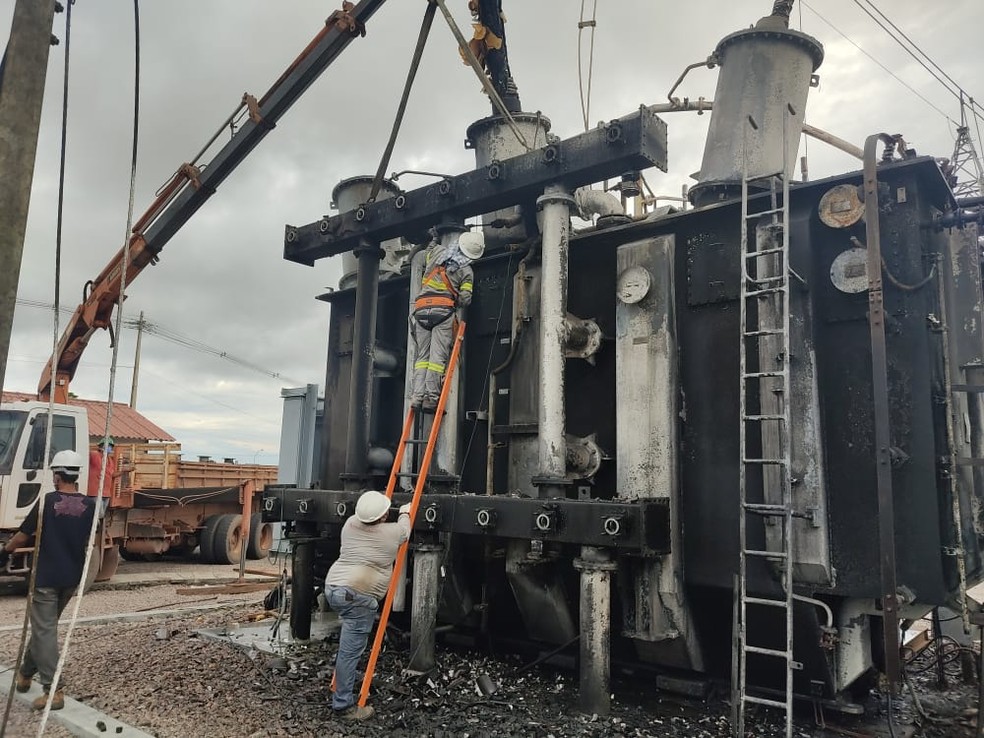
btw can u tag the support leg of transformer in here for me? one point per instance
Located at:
(596, 567)
(302, 583)
(426, 597)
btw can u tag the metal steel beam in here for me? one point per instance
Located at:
(640, 527)
(637, 141)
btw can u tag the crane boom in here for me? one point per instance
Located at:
(192, 185)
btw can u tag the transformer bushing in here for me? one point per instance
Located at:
(494, 140)
(765, 78)
(348, 195)
(425, 600)
(596, 567)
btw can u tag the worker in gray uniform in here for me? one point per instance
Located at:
(446, 287)
(356, 583)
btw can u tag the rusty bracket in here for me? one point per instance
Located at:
(344, 21)
(253, 107)
(192, 174)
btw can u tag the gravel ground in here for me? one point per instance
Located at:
(165, 678)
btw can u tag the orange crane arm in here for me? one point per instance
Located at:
(191, 186)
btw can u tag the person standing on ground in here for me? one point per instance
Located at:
(446, 286)
(59, 560)
(355, 584)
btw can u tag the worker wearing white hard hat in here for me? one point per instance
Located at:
(446, 287)
(355, 584)
(65, 527)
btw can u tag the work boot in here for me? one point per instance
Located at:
(57, 702)
(355, 713)
(23, 683)
(429, 405)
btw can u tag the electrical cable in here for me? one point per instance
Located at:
(581, 25)
(96, 519)
(49, 420)
(884, 67)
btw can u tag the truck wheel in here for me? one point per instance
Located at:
(260, 537)
(228, 541)
(205, 554)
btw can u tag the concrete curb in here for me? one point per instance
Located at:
(78, 718)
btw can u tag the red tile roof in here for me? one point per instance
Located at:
(127, 425)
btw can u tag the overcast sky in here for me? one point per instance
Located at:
(222, 280)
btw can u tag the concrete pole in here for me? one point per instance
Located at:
(136, 363)
(556, 203)
(426, 596)
(596, 569)
(20, 118)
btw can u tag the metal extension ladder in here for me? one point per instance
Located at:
(421, 476)
(765, 415)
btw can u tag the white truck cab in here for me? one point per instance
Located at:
(24, 472)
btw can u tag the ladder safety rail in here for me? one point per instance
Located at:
(764, 409)
(414, 505)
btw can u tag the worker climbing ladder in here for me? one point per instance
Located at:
(764, 439)
(405, 442)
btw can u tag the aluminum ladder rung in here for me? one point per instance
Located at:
(779, 555)
(766, 332)
(758, 508)
(766, 291)
(781, 604)
(765, 701)
(771, 211)
(774, 652)
(764, 252)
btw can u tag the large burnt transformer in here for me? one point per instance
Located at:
(648, 500)
(607, 447)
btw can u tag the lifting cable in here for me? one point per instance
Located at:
(96, 519)
(418, 52)
(581, 25)
(49, 420)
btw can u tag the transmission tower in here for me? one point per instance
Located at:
(967, 176)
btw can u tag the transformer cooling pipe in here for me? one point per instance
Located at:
(426, 597)
(363, 342)
(556, 204)
(596, 567)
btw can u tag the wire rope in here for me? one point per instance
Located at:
(112, 382)
(581, 25)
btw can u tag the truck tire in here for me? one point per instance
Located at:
(110, 563)
(228, 539)
(205, 554)
(260, 537)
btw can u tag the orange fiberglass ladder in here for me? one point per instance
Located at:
(418, 489)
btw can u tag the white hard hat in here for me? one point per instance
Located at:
(66, 462)
(472, 244)
(372, 506)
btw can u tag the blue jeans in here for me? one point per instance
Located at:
(358, 612)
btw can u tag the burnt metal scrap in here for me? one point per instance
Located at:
(637, 141)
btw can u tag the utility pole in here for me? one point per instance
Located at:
(136, 363)
(21, 95)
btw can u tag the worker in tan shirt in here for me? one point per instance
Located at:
(355, 584)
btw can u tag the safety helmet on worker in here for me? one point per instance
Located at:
(372, 507)
(108, 441)
(472, 244)
(67, 463)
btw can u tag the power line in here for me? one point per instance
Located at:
(896, 77)
(913, 53)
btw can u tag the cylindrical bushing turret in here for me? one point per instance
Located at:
(348, 195)
(494, 140)
(765, 77)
